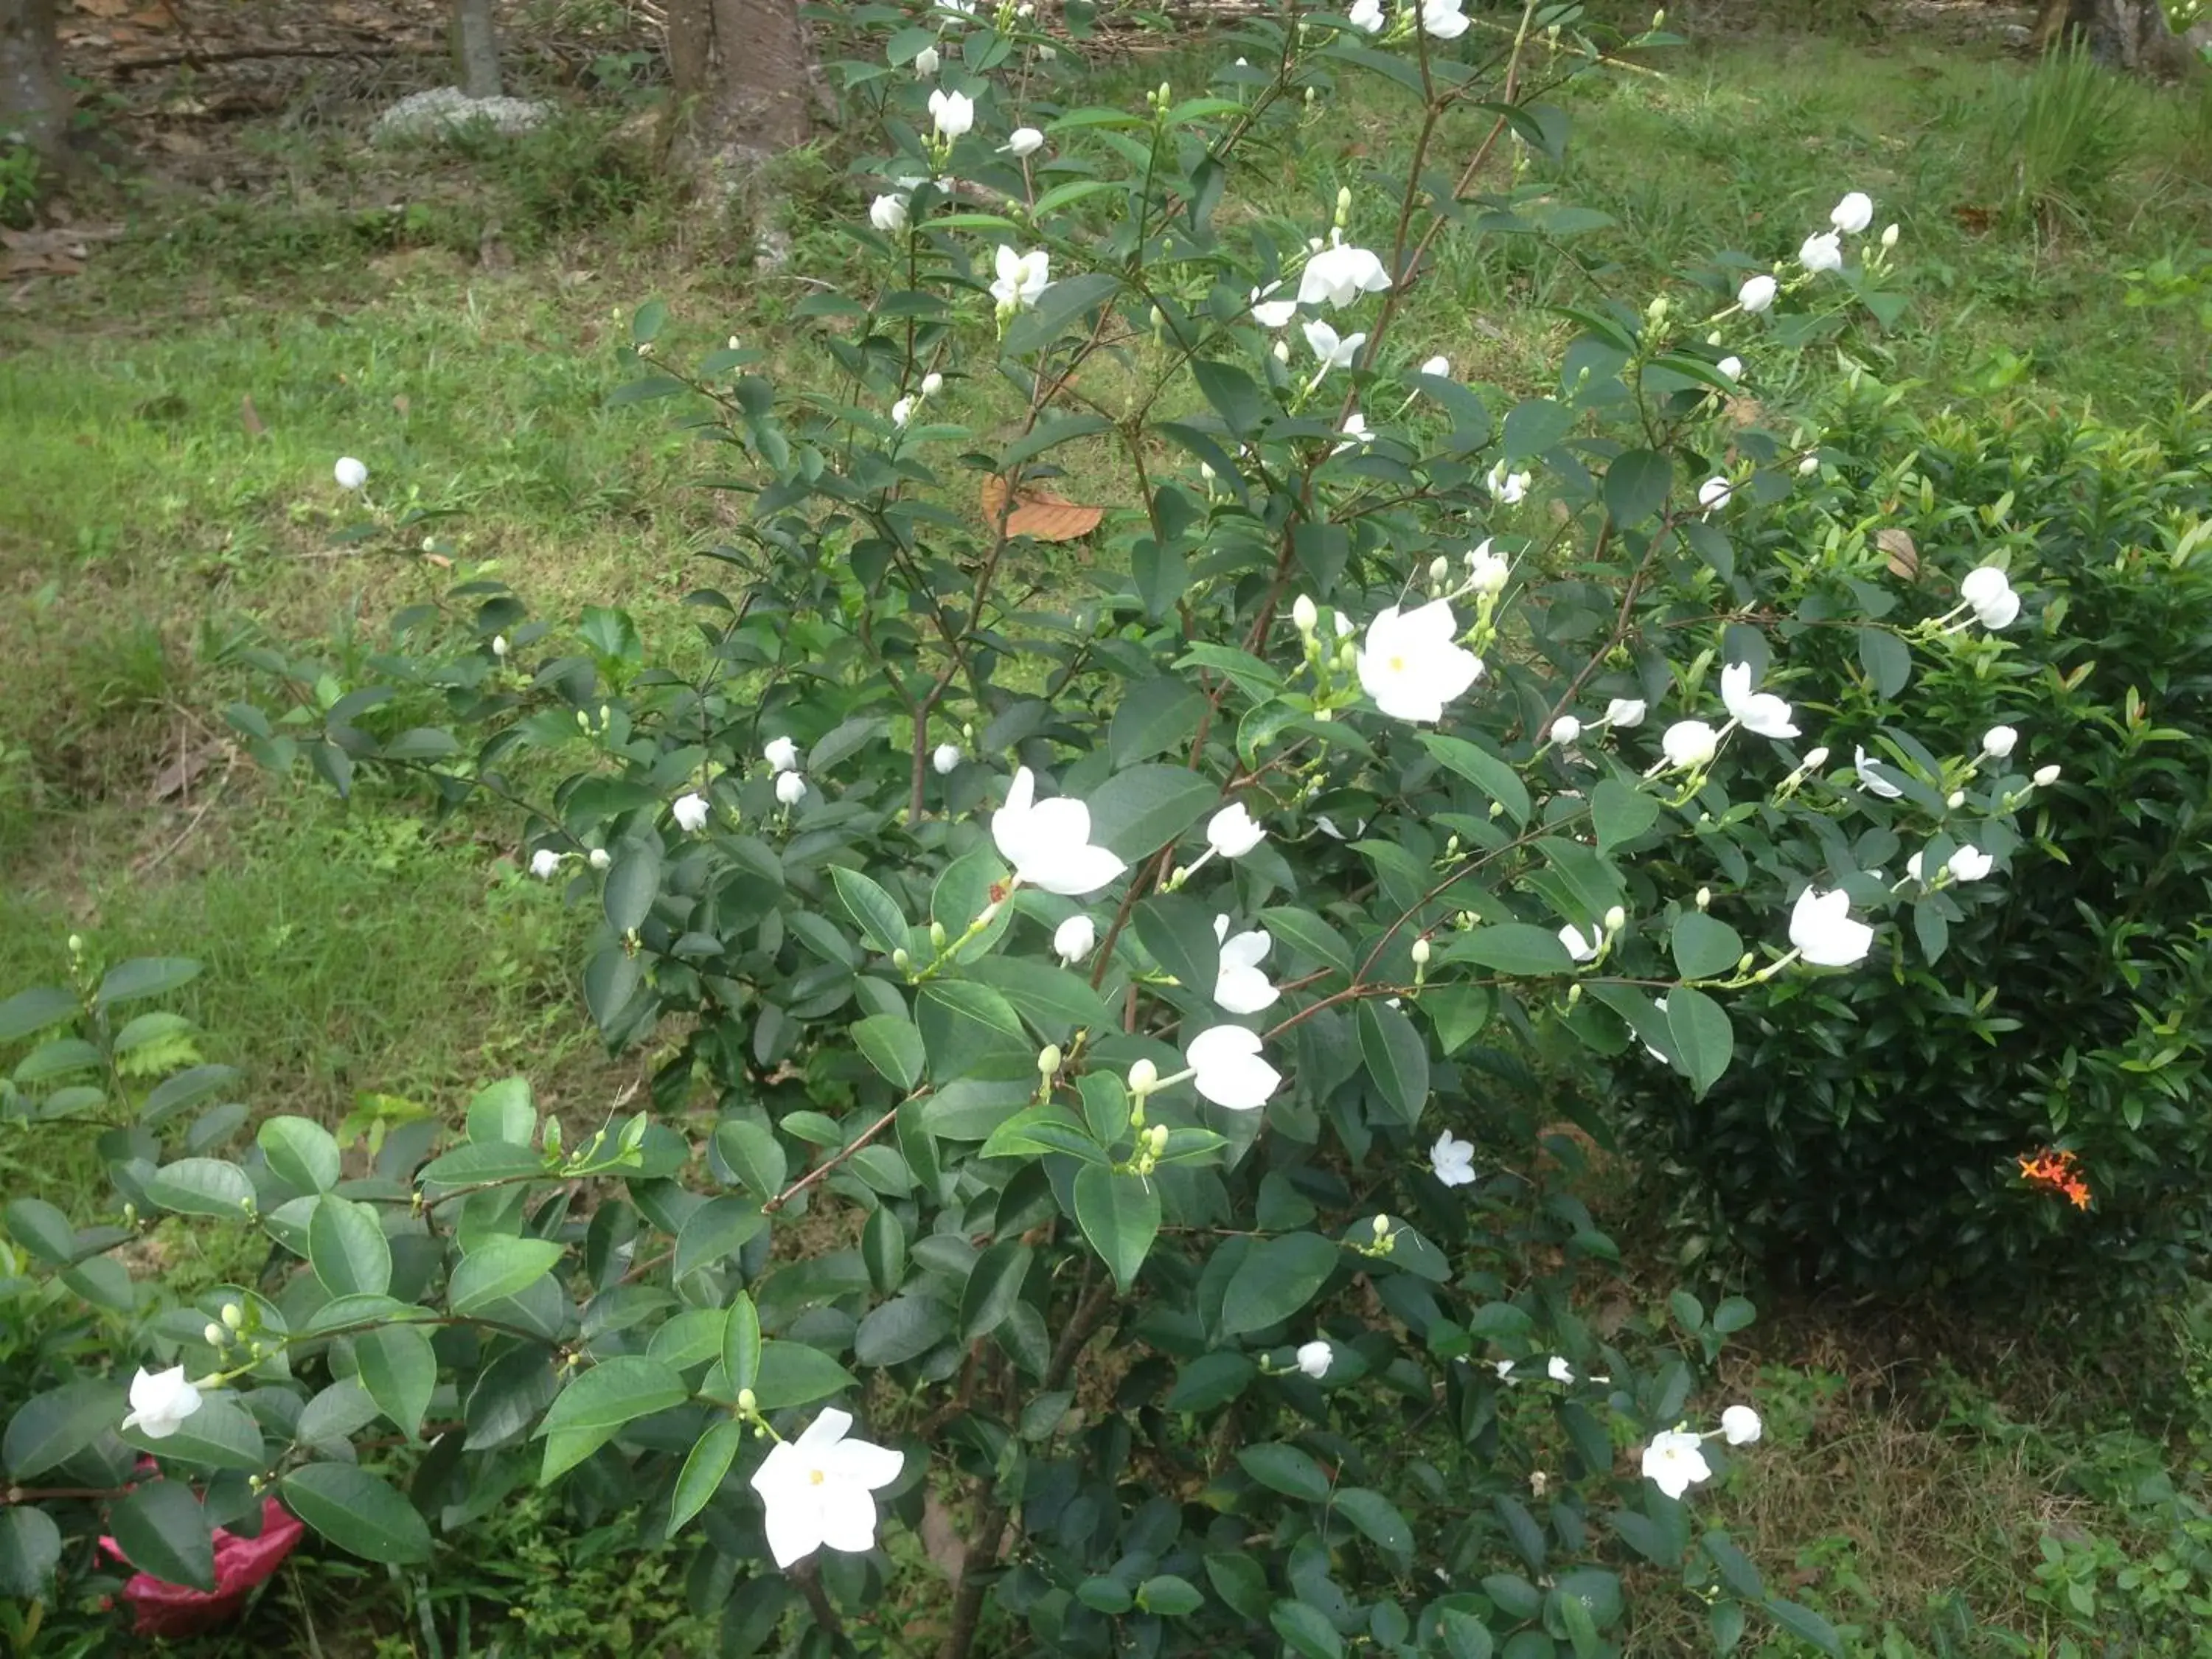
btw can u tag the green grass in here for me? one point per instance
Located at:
(173, 416)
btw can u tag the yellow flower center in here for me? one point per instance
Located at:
(816, 1476)
(1397, 665)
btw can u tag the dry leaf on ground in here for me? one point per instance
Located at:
(1038, 513)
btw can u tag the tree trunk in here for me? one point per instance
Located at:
(34, 99)
(476, 48)
(2122, 34)
(742, 73)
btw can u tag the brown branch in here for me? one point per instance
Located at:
(830, 1163)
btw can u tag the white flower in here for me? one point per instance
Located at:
(1487, 572)
(1914, 863)
(1410, 665)
(1339, 274)
(1229, 1070)
(689, 813)
(1871, 781)
(1453, 1160)
(1997, 742)
(1675, 1461)
(1314, 1358)
(782, 754)
(946, 758)
(925, 62)
(1822, 252)
(1048, 842)
(544, 864)
(1969, 864)
(1809, 466)
(1581, 948)
(1334, 353)
(1741, 1424)
(1231, 832)
(1624, 713)
(931, 384)
(1853, 214)
(1441, 19)
(1558, 1370)
(499, 646)
(1714, 494)
(1821, 928)
(1757, 293)
(954, 112)
(888, 213)
(1507, 486)
(1072, 939)
(1504, 1369)
(161, 1401)
(2045, 776)
(1760, 713)
(1024, 141)
(1689, 743)
(1022, 276)
(1272, 313)
(902, 411)
(1355, 433)
(599, 857)
(1367, 16)
(1731, 367)
(1239, 987)
(351, 475)
(1439, 366)
(1280, 352)
(791, 787)
(1994, 605)
(820, 1489)
(1565, 730)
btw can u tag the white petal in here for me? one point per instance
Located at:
(864, 1463)
(794, 1524)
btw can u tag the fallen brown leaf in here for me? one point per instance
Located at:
(249, 417)
(1038, 514)
(1904, 556)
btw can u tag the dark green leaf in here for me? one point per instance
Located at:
(1397, 1058)
(400, 1371)
(30, 1549)
(37, 1009)
(795, 1374)
(1179, 932)
(1119, 1215)
(1636, 485)
(1155, 714)
(1377, 1517)
(52, 1427)
(994, 1284)
(1169, 1597)
(710, 1458)
(1887, 658)
(357, 1512)
(145, 976)
(1621, 812)
(1704, 948)
(1485, 771)
(1140, 808)
(1284, 1469)
(755, 1155)
(741, 1343)
(893, 1046)
(41, 1229)
(301, 1152)
(347, 1248)
(1806, 1625)
(633, 882)
(202, 1186)
(164, 1531)
(1702, 1040)
(1514, 947)
(1276, 1279)
(1306, 1631)
(594, 1407)
(500, 1267)
(876, 911)
(905, 1327)
(1210, 1380)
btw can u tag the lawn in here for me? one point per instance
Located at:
(173, 413)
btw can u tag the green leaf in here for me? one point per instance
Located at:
(301, 1152)
(797, 1374)
(1485, 771)
(164, 1531)
(1140, 808)
(1397, 1058)
(905, 1327)
(716, 1231)
(1169, 1597)
(1052, 1000)
(594, 1407)
(1704, 948)
(754, 1155)
(1636, 485)
(703, 1470)
(1179, 932)
(1621, 812)
(994, 1284)
(37, 1009)
(1308, 934)
(1534, 427)
(1210, 1380)
(503, 1113)
(52, 1427)
(30, 1550)
(1120, 1215)
(1377, 1517)
(1060, 304)
(41, 1229)
(1284, 1469)
(144, 976)
(891, 1045)
(961, 1023)
(1155, 716)
(1804, 1623)
(347, 1248)
(400, 1373)
(1306, 1631)
(202, 1186)
(741, 1344)
(500, 1267)
(1703, 1039)
(187, 1088)
(1887, 659)
(883, 1248)
(1514, 947)
(1465, 1636)
(1276, 1279)
(876, 911)
(633, 882)
(357, 1512)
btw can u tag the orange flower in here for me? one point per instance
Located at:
(2056, 1171)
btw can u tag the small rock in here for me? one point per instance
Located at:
(444, 110)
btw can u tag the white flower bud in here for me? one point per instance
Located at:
(931, 384)
(2045, 776)
(1439, 569)
(215, 1335)
(232, 1314)
(1565, 730)
(1049, 1059)
(1421, 953)
(349, 473)
(1144, 1078)
(946, 759)
(1955, 799)
(1282, 351)
(1306, 613)
(1705, 897)
(1889, 235)
(1615, 920)
(600, 858)
(1815, 760)
(1809, 466)
(1997, 742)
(925, 62)
(499, 646)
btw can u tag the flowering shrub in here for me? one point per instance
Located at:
(1093, 1013)
(2013, 1101)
